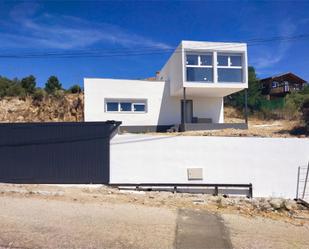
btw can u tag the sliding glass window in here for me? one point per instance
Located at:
(230, 68)
(126, 105)
(199, 67)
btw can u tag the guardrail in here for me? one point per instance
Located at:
(179, 187)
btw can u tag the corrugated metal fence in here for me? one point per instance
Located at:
(55, 152)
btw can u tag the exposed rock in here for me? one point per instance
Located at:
(265, 206)
(290, 205)
(223, 202)
(51, 109)
(255, 203)
(276, 203)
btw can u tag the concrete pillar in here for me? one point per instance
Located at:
(184, 111)
(246, 106)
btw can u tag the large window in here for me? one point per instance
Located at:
(112, 106)
(229, 68)
(136, 106)
(199, 67)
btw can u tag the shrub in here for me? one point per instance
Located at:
(38, 94)
(75, 89)
(58, 94)
(4, 85)
(28, 83)
(52, 85)
(305, 113)
(15, 89)
(293, 103)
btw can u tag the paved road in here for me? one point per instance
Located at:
(41, 223)
(199, 229)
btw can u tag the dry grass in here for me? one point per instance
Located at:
(257, 127)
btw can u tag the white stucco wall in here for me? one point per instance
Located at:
(162, 109)
(172, 71)
(270, 164)
(209, 108)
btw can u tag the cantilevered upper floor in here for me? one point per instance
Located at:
(213, 69)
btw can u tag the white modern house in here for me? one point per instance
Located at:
(187, 92)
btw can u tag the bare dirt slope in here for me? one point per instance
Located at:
(69, 107)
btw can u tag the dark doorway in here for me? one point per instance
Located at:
(188, 111)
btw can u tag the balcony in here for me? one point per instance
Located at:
(283, 88)
(279, 90)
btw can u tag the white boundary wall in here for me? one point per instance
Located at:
(270, 164)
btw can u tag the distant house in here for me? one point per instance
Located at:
(279, 86)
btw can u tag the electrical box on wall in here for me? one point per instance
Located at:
(195, 173)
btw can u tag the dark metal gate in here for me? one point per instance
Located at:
(56, 152)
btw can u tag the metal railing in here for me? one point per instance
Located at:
(302, 191)
(180, 187)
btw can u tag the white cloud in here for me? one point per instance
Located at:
(28, 29)
(270, 55)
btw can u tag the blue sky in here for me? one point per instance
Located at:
(31, 27)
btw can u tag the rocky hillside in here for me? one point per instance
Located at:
(68, 107)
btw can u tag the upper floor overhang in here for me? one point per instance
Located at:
(207, 68)
(208, 90)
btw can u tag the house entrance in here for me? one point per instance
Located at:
(188, 113)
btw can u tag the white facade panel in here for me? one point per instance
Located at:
(265, 162)
(161, 108)
(172, 72)
(209, 108)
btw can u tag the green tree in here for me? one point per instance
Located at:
(75, 89)
(16, 89)
(52, 85)
(5, 83)
(305, 113)
(29, 83)
(254, 93)
(305, 90)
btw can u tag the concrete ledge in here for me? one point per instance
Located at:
(188, 127)
(144, 128)
(213, 126)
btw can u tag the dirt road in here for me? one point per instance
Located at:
(34, 223)
(41, 216)
(258, 232)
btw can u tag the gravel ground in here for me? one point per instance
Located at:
(258, 233)
(96, 216)
(40, 223)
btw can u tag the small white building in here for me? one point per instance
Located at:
(201, 73)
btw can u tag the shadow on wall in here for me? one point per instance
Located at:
(169, 109)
